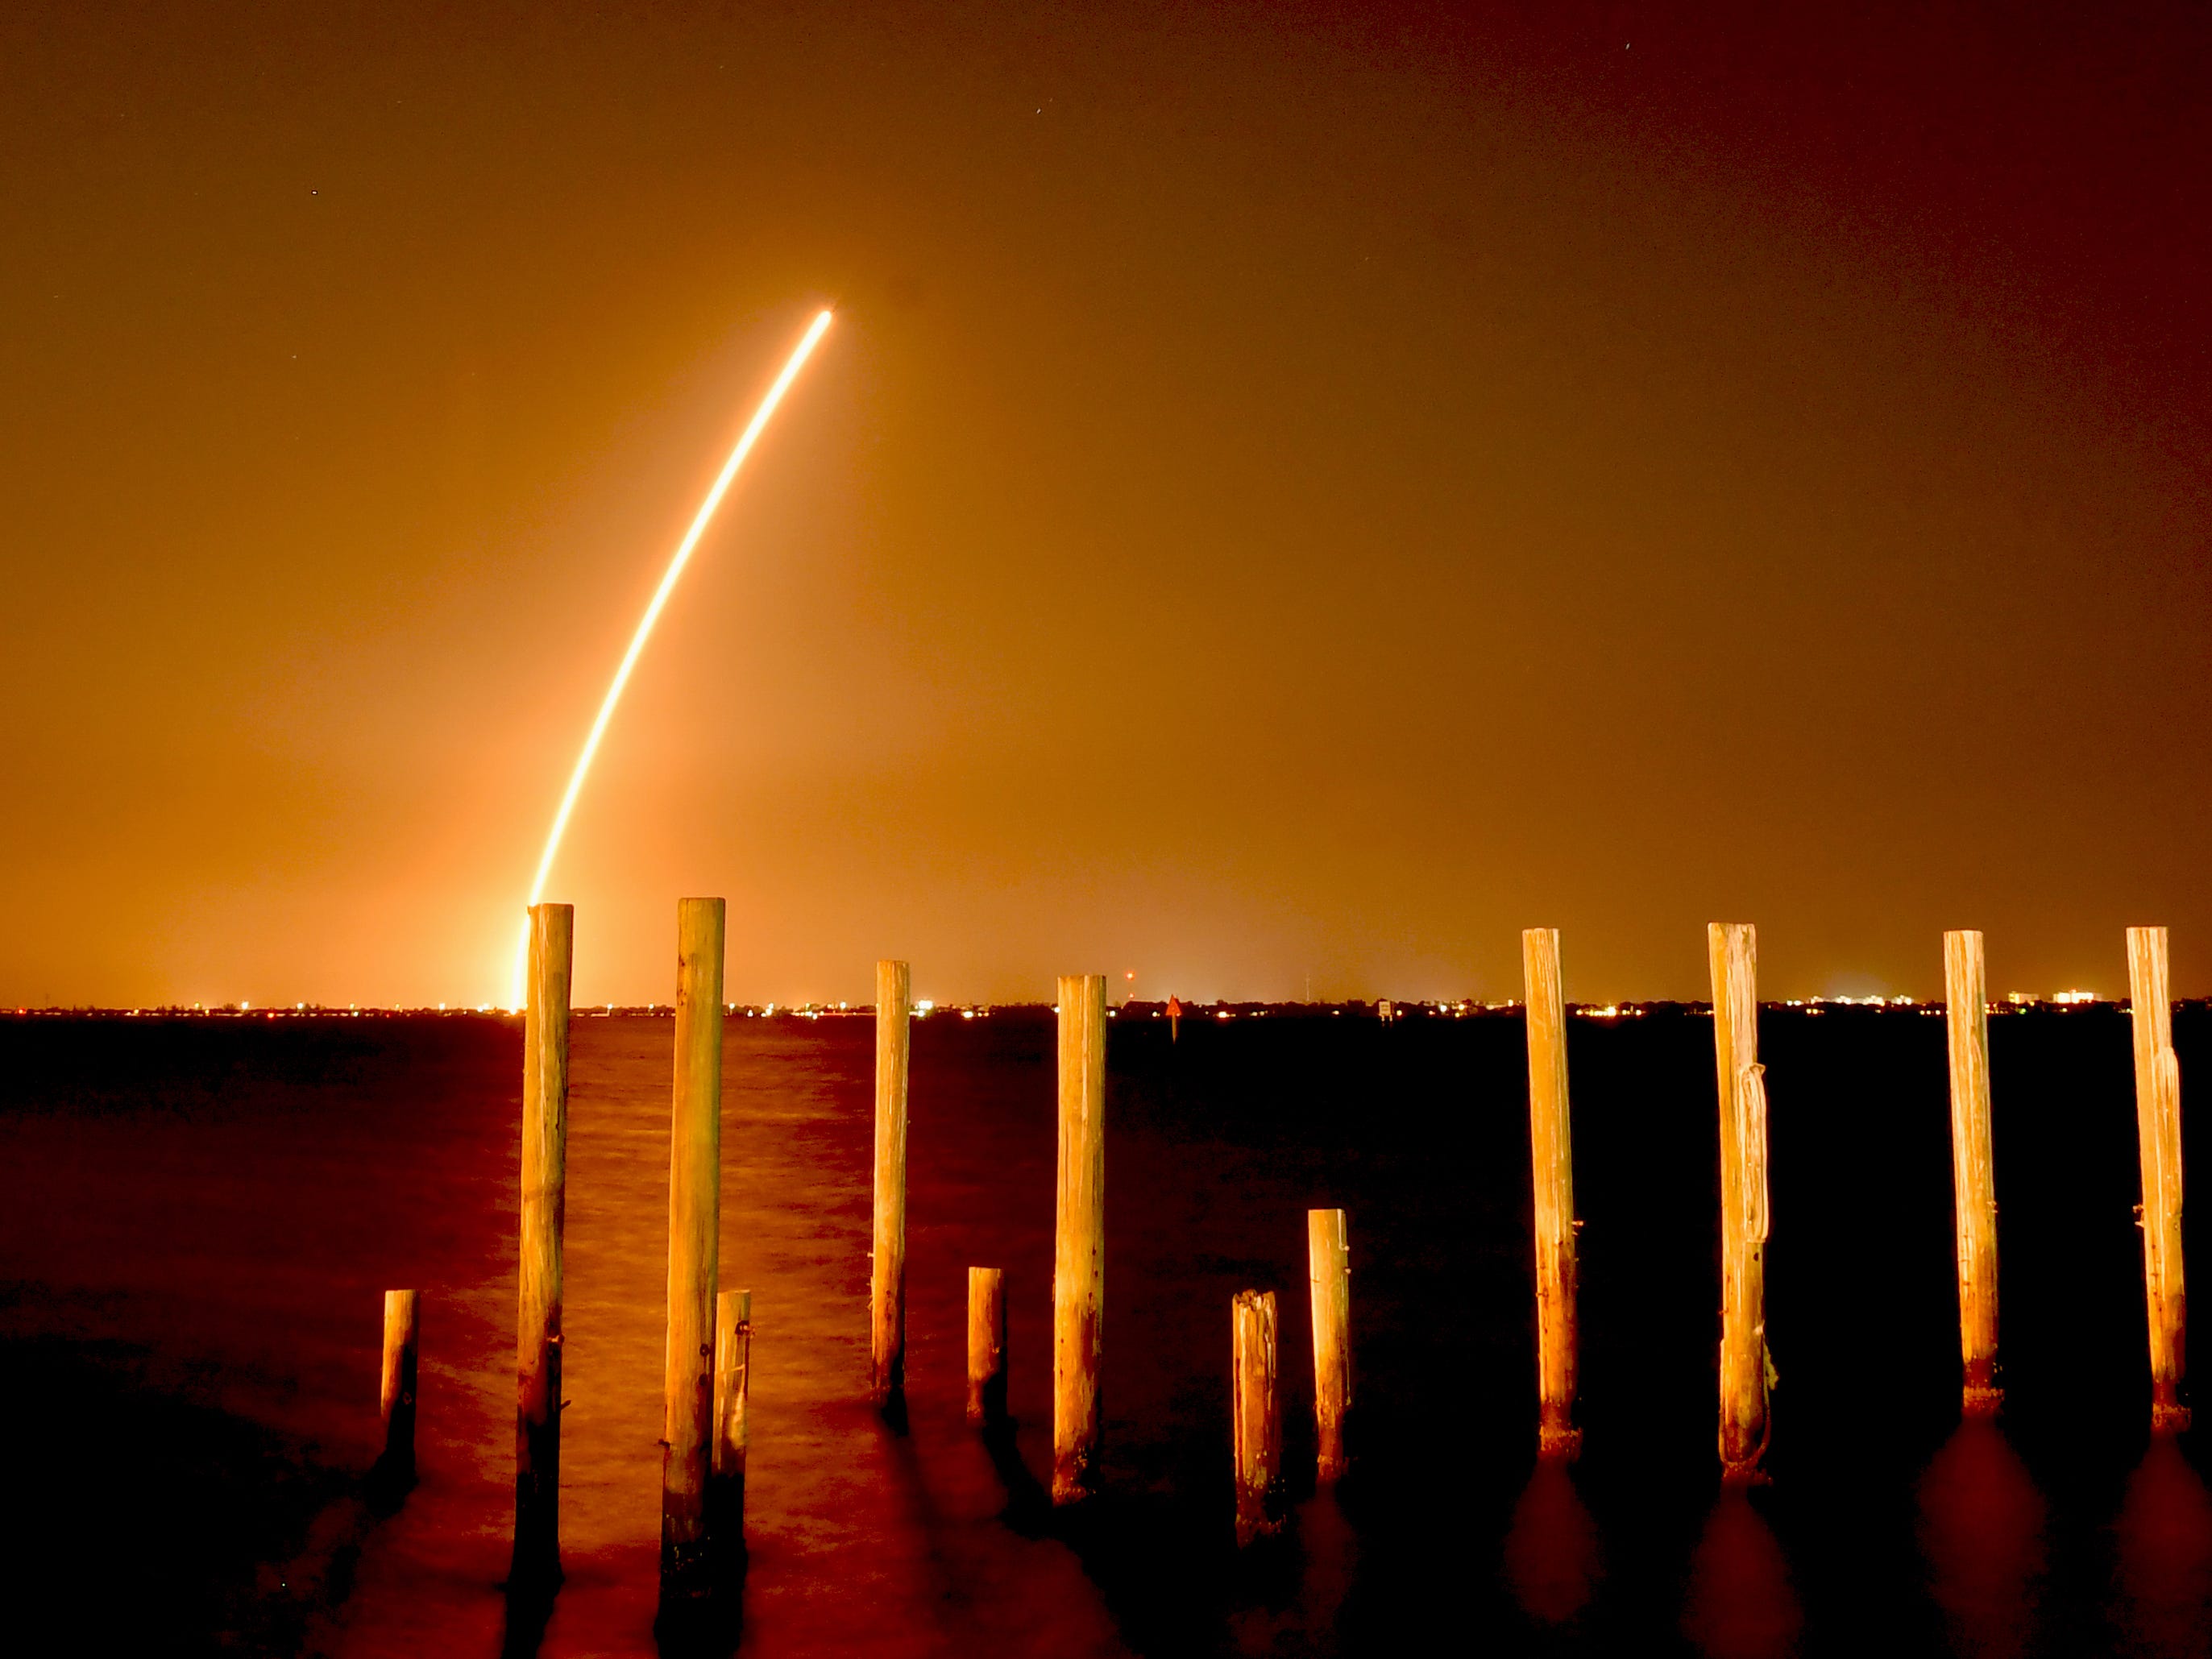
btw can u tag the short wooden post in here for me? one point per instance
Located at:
(1550, 1152)
(401, 1338)
(2157, 1146)
(537, 1559)
(1078, 1264)
(733, 1352)
(1973, 1181)
(1328, 1274)
(1746, 1369)
(887, 1266)
(1258, 1428)
(695, 1179)
(987, 1346)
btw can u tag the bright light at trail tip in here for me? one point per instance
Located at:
(752, 435)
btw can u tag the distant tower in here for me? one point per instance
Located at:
(1174, 1020)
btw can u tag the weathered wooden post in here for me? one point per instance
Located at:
(887, 1268)
(987, 1346)
(1973, 1181)
(401, 1339)
(733, 1352)
(1550, 1152)
(2158, 1146)
(1079, 1262)
(694, 1182)
(536, 1564)
(1328, 1276)
(1746, 1369)
(1258, 1428)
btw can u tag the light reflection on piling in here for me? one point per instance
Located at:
(2164, 1535)
(1981, 1532)
(1552, 1558)
(1742, 1605)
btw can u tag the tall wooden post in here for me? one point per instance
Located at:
(987, 1346)
(1550, 1152)
(537, 1559)
(1079, 1262)
(1973, 1180)
(401, 1338)
(695, 1208)
(1328, 1276)
(733, 1354)
(2158, 1146)
(887, 1270)
(1746, 1369)
(1254, 1412)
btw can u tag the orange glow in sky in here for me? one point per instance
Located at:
(684, 551)
(1302, 494)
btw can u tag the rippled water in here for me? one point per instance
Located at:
(210, 1211)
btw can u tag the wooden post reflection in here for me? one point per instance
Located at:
(1078, 1269)
(401, 1339)
(887, 1265)
(1254, 1411)
(987, 1346)
(1746, 1369)
(1551, 1153)
(1328, 1272)
(695, 1208)
(2158, 1146)
(537, 1558)
(1973, 1181)
(734, 1359)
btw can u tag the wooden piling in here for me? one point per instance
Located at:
(734, 1351)
(1257, 1426)
(987, 1346)
(1746, 1369)
(695, 1163)
(1078, 1267)
(1973, 1181)
(1550, 1152)
(1328, 1274)
(2157, 1146)
(536, 1562)
(401, 1340)
(887, 1268)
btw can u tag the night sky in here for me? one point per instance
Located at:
(1293, 495)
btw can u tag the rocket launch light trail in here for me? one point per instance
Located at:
(683, 557)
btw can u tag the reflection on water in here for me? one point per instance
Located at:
(238, 1233)
(1741, 1603)
(1552, 1552)
(860, 1539)
(2165, 1538)
(1981, 1530)
(1332, 1553)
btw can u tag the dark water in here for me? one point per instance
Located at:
(196, 1219)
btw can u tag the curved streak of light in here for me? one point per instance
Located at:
(683, 551)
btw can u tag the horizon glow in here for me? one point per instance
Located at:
(683, 556)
